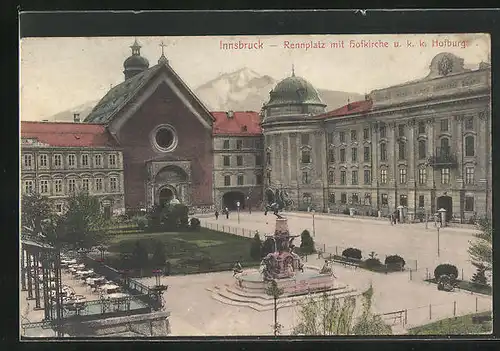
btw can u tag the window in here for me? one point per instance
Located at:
(354, 135)
(331, 177)
(258, 179)
(469, 146)
(366, 154)
(305, 178)
(258, 144)
(113, 184)
(331, 198)
(331, 155)
(469, 123)
(421, 127)
(85, 184)
(85, 160)
(112, 160)
(368, 199)
(226, 161)
(445, 176)
(43, 160)
(367, 176)
(444, 125)
(366, 133)
(384, 199)
(343, 198)
(355, 198)
(354, 154)
(98, 160)
(342, 177)
(421, 201)
(239, 144)
(28, 159)
(354, 179)
(71, 160)
(402, 151)
(383, 176)
(403, 200)
(382, 130)
(269, 177)
(422, 149)
(445, 145)
(304, 139)
(58, 186)
(44, 186)
(59, 208)
(383, 152)
(239, 160)
(401, 130)
(342, 137)
(469, 175)
(342, 155)
(330, 138)
(402, 176)
(240, 180)
(268, 158)
(422, 175)
(258, 160)
(98, 184)
(71, 185)
(469, 203)
(227, 180)
(307, 198)
(225, 144)
(306, 156)
(57, 161)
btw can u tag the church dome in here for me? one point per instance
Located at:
(135, 63)
(293, 91)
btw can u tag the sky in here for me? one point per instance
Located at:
(58, 74)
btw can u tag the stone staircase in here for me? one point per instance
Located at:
(234, 296)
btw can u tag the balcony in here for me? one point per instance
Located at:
(443, 158)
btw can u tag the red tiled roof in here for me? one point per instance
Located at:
(245, 123)
(67, 134)
(349, 109)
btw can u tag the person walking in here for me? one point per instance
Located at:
(216, 214)
(227, 213)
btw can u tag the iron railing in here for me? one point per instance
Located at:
(443, 158)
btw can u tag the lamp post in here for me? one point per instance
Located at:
(314, 228)
(437, 227)
(238, 210)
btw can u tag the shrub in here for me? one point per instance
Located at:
(159, 256)
(255, 248)
(194, 224)
(307, 243)
(395, 260)
(141, 222)
(372, 263)
(140, 257)
(346, 211)
(352, 253)
(479, 278)
(447, 269)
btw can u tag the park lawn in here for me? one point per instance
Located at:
(188, 252)
(462, 325)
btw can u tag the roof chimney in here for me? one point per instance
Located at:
(76, 117)
(230, 114)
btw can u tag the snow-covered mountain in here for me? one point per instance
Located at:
(247, 90)
(242, 90)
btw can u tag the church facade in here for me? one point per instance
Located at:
(422, 145)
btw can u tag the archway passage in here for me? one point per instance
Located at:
(446, 203)
(166, 195)
(231, 198)
(270, 198)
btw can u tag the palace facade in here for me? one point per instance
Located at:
(423, 145)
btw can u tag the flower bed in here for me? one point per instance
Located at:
(382, 268)
(469, 286)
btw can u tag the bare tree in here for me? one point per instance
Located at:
(274, 291)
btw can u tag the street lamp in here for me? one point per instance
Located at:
(438, 226)
(314, 228)
(238, 210)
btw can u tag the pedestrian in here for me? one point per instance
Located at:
(216, 214)
(227, 213)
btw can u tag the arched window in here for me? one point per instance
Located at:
(421, 149)
(306, 156)
(402, 150)
(383, 152)
(469, 145)
(445, 146)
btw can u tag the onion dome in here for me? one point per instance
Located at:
(135, 63)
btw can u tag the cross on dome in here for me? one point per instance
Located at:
(162, 59)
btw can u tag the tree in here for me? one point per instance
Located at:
(306, 243)
(255, 248)
(83, 225)
(481, 249)
(140, 255)
(328, 315)
(274, 291)
(37, 216)
(159, 256)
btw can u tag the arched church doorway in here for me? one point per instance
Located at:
(446, 203)
(165, 196)
(270, 198)
(231, 198)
